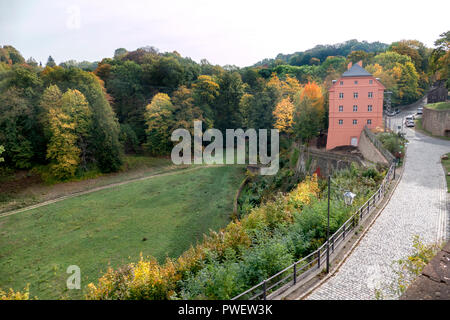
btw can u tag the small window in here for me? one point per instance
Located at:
(341, 108)
(369, 121)
(341, 95)
(355, 95)
(369, 108)
(356, 81)
(355, 121)
(370, 81)
(370, 94)
(355, 108)
(341, 83)
(341, 121)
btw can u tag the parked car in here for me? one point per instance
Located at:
(409, 123)
(419, 110)
(397, 111)
(390, 114)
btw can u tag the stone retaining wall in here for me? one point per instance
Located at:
(436, 121)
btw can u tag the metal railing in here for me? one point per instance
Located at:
(311, 264)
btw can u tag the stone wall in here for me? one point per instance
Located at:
(311, 160)
(436, 121)
(369, 151)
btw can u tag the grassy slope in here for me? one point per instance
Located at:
(16, 192)
(446, 164)
(108, 226)
(439, 106)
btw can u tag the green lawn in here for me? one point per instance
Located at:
(446, 164)
(439, 106)
(107, 228)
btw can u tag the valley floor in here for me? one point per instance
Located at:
(159, 216)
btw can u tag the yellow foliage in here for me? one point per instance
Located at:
(314, 92)
(149, 280)
(15, 295)
(284, 114)
(304, 192)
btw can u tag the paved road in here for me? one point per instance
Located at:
(417, 207)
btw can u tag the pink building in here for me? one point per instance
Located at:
(356, 99)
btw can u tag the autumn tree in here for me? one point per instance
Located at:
(205, 93)
(283, 114)
(62, 151)
(160, 120)
(69, 120)
(74, 104)
(104, 145)
(398, 74)
(440, 58)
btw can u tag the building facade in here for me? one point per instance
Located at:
(355, 100)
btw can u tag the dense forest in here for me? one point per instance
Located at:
(74, 117)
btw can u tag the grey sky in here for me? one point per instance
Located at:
(224, 32)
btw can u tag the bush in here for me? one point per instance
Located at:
(15, 295)
(265, 241)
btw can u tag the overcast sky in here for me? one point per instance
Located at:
(239, 32)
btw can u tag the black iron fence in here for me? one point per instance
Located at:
(313, 263)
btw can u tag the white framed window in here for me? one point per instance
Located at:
(356, 81)
(341, 121)
(370, 95)
(341, 95)
(355, 121)
(369, 108)
(341, 108)
(355, 108)
(369, 121)
(355, 95)
(370, 81)
(341, 83)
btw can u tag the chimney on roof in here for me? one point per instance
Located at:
(360, 63)
(349, 65)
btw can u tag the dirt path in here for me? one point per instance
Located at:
(76, 194)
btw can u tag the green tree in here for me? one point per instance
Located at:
(2, 149)
(16, 128)
(50, 62)
(307, 120)
(226, 111)
(51, 99)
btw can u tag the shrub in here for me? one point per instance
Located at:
(15, 295)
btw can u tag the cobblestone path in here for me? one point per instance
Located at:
(417, 207)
